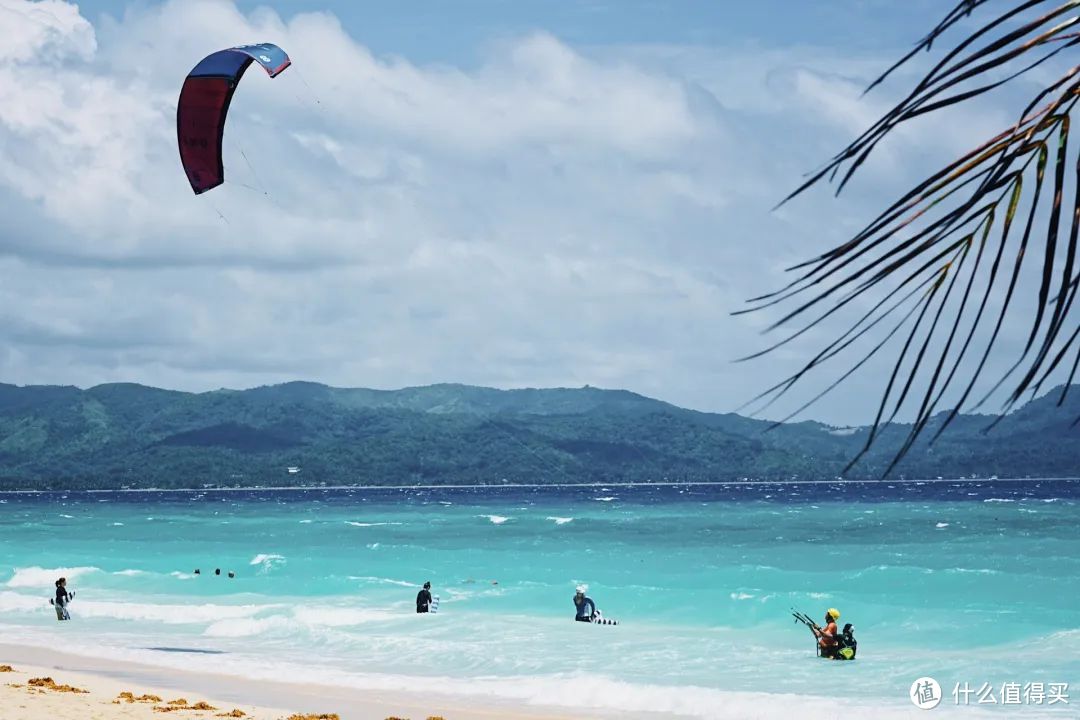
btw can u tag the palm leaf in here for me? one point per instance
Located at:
(944, 248)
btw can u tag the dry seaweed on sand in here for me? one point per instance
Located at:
(234, 713)
(6, 668)
(180, 704)
(129, 697)
(312, 716)
(47, 683)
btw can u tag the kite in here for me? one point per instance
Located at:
(204, 103)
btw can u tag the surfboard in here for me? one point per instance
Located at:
(61, 610)
(599, 619)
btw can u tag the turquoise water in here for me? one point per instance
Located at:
(963, 581)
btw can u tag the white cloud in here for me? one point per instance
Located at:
(49, 31)
(555, 216)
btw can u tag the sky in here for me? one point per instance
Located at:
(509, 194)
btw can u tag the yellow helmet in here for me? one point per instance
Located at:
(834, 612)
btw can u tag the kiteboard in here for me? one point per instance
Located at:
(434, 607)
(61, 610)
(598, 619)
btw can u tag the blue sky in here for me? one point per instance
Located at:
(457, 31)
(506, 193)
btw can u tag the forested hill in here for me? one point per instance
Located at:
(125, 435)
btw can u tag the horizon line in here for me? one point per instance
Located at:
(459, 486)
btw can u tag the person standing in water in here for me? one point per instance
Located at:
(62, 599)
(586, 608)
(423, 599)
(826, 636)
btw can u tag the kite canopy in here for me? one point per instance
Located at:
(204, 103)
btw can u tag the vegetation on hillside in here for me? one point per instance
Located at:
(114, 436)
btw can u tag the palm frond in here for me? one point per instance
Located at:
(945, 247)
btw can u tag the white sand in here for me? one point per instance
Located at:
(106, 679)
(262, 700)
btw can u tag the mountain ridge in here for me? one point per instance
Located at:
(117, 435)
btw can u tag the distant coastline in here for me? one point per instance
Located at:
(887, 481)
(125, 436)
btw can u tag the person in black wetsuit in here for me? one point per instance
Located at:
(62, 599)
(586, 608)
(423, 599)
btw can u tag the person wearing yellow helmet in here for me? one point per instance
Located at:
(827, 635)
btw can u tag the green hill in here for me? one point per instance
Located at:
(125, 435)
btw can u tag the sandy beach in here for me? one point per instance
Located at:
(31, 692)
(37, 683)
(40, 683)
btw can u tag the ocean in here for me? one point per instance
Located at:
(968, 582)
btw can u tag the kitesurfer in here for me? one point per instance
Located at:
(586, 608)
(847, 645)
(62, 599)
(831, 644)
(827, 643)
(423, 598)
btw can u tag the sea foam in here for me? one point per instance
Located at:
(33, 577)
(267, 561)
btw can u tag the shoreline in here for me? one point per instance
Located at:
(105, 680)
(257, 699)
(695, 483)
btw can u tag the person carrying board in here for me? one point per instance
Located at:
(63, 597)
(586, 608)
(423, 599)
